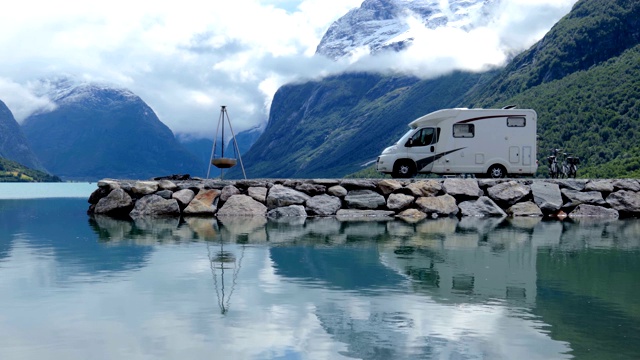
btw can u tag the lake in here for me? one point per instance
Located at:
(80, 287)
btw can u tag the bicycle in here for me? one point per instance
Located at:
(572, 166)
(553, 164)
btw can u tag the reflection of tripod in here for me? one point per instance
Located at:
(224, 260)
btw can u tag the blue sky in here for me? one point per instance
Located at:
(187, 58)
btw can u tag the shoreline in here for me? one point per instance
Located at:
(410, 199)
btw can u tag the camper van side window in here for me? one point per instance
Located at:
(463, 130)
(516, 121)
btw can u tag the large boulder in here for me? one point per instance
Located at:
(323, 205)
(205, 203)
(280, 196)
(527, 208)
(547, 196)
(242, 205)
(117, 202)
(484, 206)
(462, 188)
(285, 211)
(440, 205)
(586, 210)
(399, 201)
(425, 188)
(625, 201)
(364, 199)
(583, 197)
(509, 192)
(155, 205)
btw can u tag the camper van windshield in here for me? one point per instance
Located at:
(404, 137)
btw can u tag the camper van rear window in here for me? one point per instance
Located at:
(516, 121)
(463, 130)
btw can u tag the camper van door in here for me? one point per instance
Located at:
(421, 148)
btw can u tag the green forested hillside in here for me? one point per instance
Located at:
(11, 171)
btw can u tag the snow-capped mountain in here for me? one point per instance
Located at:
(382, 24)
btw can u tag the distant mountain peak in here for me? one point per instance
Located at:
(379, 25)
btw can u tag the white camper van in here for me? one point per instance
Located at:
(486, 142)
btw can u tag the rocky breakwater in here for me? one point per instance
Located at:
(412, 200)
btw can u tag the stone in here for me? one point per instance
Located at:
(582, 197)
(399, 201)
(484, 206)
(527, 208)
(338, 191)
(364, 199)
(165, 194)
(99, 193)
(599, 185)
(573, 184)
(280, 196)
(167, 185)
(509, 192)
(228, 191)
(463, 188)
(154, 205)
(258, 193)
(204, 203)
(547, 196)
(291, 210)
(624, 201)
(116, 202)
(323, 205)
(144, 187)
(183, 197)
(412, 215)
(440, 205)
(311, 189)
(242, 205)
(626, 184)
(109, 184)
(586, 210)
(358, 184)
(387, 186)
(425, 188)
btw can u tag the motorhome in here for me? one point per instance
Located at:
(492, 143)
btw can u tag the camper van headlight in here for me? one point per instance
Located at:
(390, 149)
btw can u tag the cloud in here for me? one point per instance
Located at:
(187, 59)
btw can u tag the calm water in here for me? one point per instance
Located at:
(75, 287)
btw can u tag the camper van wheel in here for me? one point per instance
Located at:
(403, 169)
(497, 171)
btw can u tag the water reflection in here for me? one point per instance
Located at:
(315, 287)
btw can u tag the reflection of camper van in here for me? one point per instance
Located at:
(484, 142)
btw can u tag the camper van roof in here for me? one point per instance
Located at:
(446, 114)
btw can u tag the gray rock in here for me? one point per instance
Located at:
(399, 201)
(357, 184)
(165, 194)
(573, 184)
(527, 208)
(280, 196)
(388, 186)
(599, 185)
(109, 184)
(242, 205)
(464, 188)
(364, 199)
(440, 205)
(311, 189)
(258, 193)
(228, 191)
(323, 205)
(412, 215)
(586, 210)
(425, 188)
(624, 201)
(291, 210)
(484, 206)
(154, 205)
(547, 196)
(183, 196)
(583, 197)
(167, 185)
(626, 184)
(117, 201)
(204, 203)
(509, 192)
(326, 182)
(338, 191)
(144, 187)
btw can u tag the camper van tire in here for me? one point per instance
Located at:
(497, 171)
(403, 169)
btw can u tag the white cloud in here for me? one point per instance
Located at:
(185, 59)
